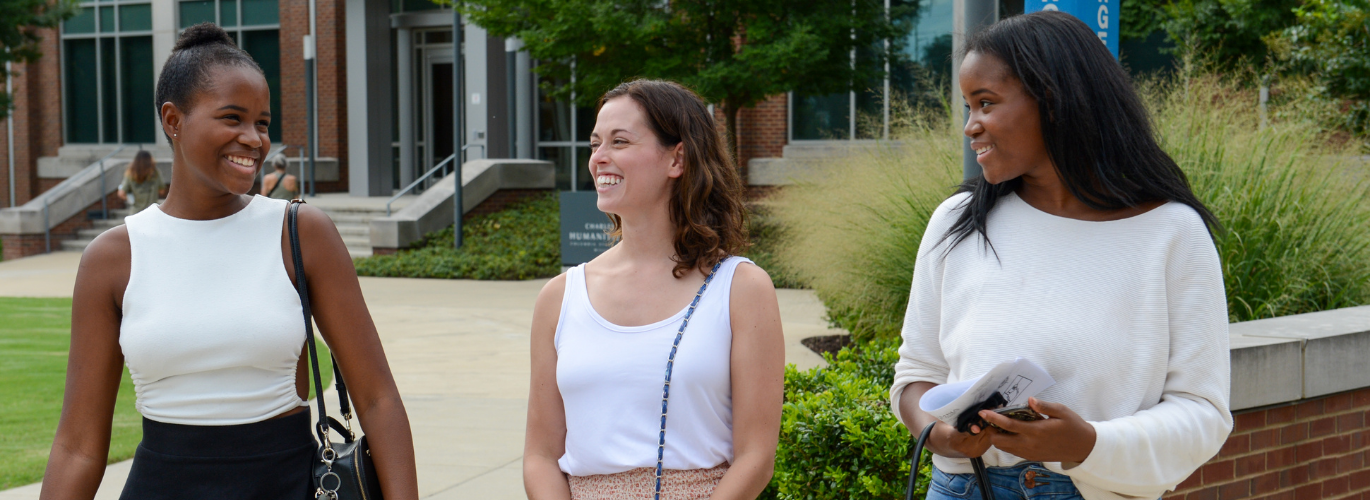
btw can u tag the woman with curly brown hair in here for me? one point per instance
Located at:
(657, 367)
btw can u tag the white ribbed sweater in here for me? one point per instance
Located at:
(1128, 316)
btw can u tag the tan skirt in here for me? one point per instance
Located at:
(638, 484)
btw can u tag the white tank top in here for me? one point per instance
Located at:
(212, 327)
(610, 378)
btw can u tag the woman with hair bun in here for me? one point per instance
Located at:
(657, 367)
(197, 297)
(1082, 249)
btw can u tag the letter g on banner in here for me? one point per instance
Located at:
(1095, 13)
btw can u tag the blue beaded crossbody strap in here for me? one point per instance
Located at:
(670, 362)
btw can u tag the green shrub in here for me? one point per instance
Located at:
(838, 438)
(1296, 237)
(517, 243)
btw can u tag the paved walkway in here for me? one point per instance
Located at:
(459, 351)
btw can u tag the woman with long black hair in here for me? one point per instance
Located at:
(1082, 249)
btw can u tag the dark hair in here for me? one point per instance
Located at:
(1096, 129)
(706, 201)
(186, 72)
(141, 167)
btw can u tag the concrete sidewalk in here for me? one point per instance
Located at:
(459, 352)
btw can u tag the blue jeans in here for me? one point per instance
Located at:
(1025, 481)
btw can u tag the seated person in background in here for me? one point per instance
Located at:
(142, 185)
(278, 184)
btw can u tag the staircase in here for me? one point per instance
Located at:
(85, 236)
(354, 225)
(353, 221)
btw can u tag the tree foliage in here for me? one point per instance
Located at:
(1332, 41)
(1229, 32)
(19, 24)
(734, 53)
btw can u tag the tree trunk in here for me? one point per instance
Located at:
(734, 145)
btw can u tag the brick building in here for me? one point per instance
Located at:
(384, 92)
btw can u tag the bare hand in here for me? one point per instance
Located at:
(1062, 437)
(946, 438)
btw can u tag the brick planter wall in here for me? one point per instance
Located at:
(24, 245)
(1306, 450)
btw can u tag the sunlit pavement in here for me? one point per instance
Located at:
(459, 352)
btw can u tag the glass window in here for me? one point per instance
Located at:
(109, 81)
(107, 20)
(228, 13)
(107, 75)
(196, 12)
(140, 111)
(561, 164)
(821, 117)
(265, 48)
(83, 126)
(585, 123)
(83, 22)
(261, 12)
(135, 18)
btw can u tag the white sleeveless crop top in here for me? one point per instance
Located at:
(610, 378)
(212, 327)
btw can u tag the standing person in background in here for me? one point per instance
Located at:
(602, 419)
(142, 185)
(278, 184)
(197, 297)
(1082, 249)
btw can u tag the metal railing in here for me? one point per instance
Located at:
(104, 195)
(450, 159)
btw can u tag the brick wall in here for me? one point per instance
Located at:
(330, 66)
(1308, 450)
(37, 119)
(762, 129)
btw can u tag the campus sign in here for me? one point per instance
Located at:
(1100, 15)
(584, 229)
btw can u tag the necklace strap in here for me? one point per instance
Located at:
(670, 363)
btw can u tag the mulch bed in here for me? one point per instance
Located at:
(826, 343)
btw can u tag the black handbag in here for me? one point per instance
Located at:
(342, 471)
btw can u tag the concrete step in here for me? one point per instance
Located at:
(357, 241)
(77, 245)
(106, 223)
(354, 230)
(90, 234)
(354, 217)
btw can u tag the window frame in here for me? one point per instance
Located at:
(98, 35)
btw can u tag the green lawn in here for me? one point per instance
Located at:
(34, 337)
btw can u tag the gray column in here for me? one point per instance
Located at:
(523, 103)
(369, 157)
(404, 67)
(969, 17)
(476, 100)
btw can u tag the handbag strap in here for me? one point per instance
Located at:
(670, 363)
(302, 287)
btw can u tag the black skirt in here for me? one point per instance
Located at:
(262, 460)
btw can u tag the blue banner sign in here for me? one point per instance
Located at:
(1100, 15)
(584, 229)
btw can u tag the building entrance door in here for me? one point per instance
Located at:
(437, 116)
